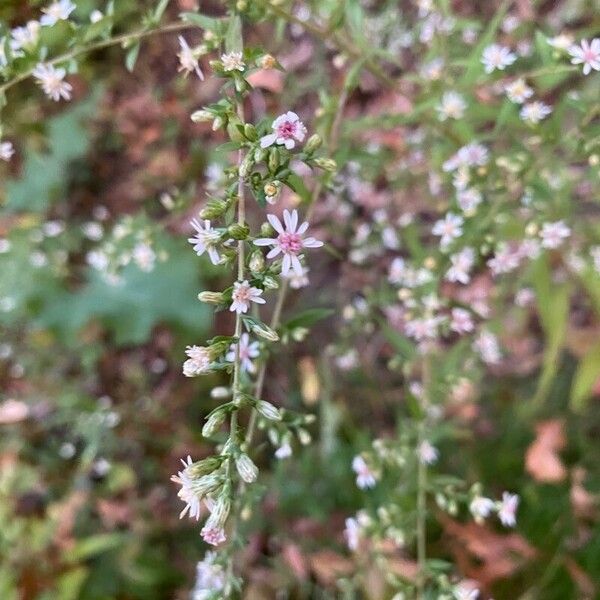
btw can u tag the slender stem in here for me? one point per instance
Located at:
(119, 39)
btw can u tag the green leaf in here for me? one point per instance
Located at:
(308, 317)
(132, 56)
(233, 36)
(209, 23)
(160, 10)
(94, 545)
(586, 375)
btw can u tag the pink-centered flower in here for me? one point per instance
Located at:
(586, 54)
(57, 11)
(365, 478)
(243, 293)
(497, 57)
(212, 534)
(288, 129)
(187, 492)
(6, 151)
(206, 239)
(508, 509)
(248, 351)
(51, 80)
(289, 241)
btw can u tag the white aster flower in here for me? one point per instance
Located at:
(427, 453)
(51, 80)
(25, 37)
(288, 129)
(486, 345)
(206, 240)
(144, 256)
(352, 534)
(461, 264)
(57, 11)
(505, 260)
(290, 242)
(497, 57)
(233, 61)
(248, 351)
(210, 578)
(243, 293)
(365, 478)
(481, 508)
(465, 591)
(6, 151)
(586, 54)
(188, 61)
(561, 42)
(461, 321)
(284, 451)
(187, 493)
(507, 510)
(468, 199)
(554, 234)
(452, 106)
(534, 112)
(198, 362)
(518, 91)
(449, 228)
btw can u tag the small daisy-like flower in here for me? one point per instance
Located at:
(57, 11)
(433, 69)
(288, 129)
(187, 493)
(468, 199)
(465, 591)
(6, 151)
(51, 80)
(461, 321)
(233, 61)
(290, 242)
(486, 345)
(507, 510)
(461, 264)
(26, 36)
(554, 234)
(198, 362)
(497, 57)
(449, 228)
(427, 453)
(518, 91)
(298, 281)
(505, 260)
(206, 240)
(352, 534)
(188, 61)
(284, 451)
(144, 256)
(248, 351)
(365, 478)
(422, 329)
(243, 293)
(481, 508)
(561, 42)
(210, 578)
(213, 535)
(586, 54)
(452, 106)
(534, 112)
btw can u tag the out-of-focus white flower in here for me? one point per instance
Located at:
(243, 293)
(25, 37)
(210, 578)
(57, 11)
(486, 345)
(144, 256)
(481, 508)
(427, 453)
(433, 69)
(561, 42)
(51, 80)
(505, 260)
(534, 112)
(248, 351)
(524, 297)
(198, 362)
(554, 234)
(6, 151)
(365, 478)
(452, 106)
(468, 199)
(188, 61)
(465, 591)
(352, 534)
(206, 239)
(284, 451)
(507, 510)
(298, 281)
(497, 57)
(586, 54)
(518, 91)
(461, 321)
(96, 16)
(233, 61)
(187, 493)
(449, 228)
(288, 129)
(290, 241)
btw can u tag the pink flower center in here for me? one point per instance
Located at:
(242, 294)
(286, 130)
(590, 56)
(290, 243)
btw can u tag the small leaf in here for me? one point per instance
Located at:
(586, 375)
(308, 317)
(132, 56)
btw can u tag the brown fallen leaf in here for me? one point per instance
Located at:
(541, 459)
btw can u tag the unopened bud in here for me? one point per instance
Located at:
(202, 116)
(211, 297)
(268, 411)
(250, 132)
(264, 331)
(220, 392)
(220, 511)
(214, 209)
(238, 232)
(246, 165)
(260, 154)
(217, 349)
(246, 468)
(274, 159)
(257, 262)
(327, 164)
(217, 123)
(204, 466)
(304, 437)
(267, 62)
(213, 423)
(233, 132)
(208, 484)
(266, 230)
(299, 333)
(241, 5)
(270, 283)
(314, 143)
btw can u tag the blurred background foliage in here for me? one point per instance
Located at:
(95, 413)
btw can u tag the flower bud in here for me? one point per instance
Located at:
(266, 230)
(270, 283)
(264, 331)
(246, 468)
(214, 209)
(204, 466)
(202, 116)
(260, 154)
(274, 159)
(267, 61)
(250, 132)
(220, 511)
(304, 437)
(257, 262)
(238, 232)
(314, 143)
(207, 484)
(214, 422)
(217, 123)
(327, 164)
(246, 165)
(220, 392)
(211, 297)
(272, 189)
(217, 349)
(268, 411)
